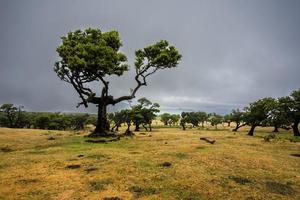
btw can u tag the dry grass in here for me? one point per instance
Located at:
(235, 167)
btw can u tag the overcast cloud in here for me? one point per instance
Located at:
(234, 51)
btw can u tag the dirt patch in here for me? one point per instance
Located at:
(99, 185)
(279, 188)
(98, 157)
(139, 191)
(103, 140)
(6, 149)
(27, 181)
(51, 138)
(240, 180)
(73, 166)
(200, 147)
(134, 152)
(91, 169)
(166, 164)
(112, 198)
(96, 141)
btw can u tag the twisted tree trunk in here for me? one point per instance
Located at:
(102, 125)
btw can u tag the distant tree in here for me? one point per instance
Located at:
(3, 119)
(227, 119)
(215, 119)
(112, 120)
(258, 112)
(202, 118)
(92, 119)
(278, 117)
(128, 119)
(193, 118)
(79, 121)
(237, 117)
(12, 117)
(165, 118)
(91, 55)
(184, 120)
(143, 113)
(59, 121)
(174, 118)
(291, 107)
(169, 119)
(41, 122)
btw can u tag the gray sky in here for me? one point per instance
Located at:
(234, 51)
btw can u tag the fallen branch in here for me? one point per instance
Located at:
(207, 140)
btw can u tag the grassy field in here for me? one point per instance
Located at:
(167, 163)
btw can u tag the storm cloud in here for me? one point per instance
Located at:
(234, 51)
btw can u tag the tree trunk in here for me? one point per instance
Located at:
(251, 131)
(275, 129)
(102, 126)
(237, 127)
(228, 124)
(144, 127)
(202, 124)
(137, 127)
(128, 132)
(295, 128)
(183, 126)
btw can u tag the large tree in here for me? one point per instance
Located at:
(258, 112)
(92, 56)
(291, 107)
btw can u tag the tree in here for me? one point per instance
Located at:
(144, 113)
(174, 118)
(42, 121)
(278, 117)
(193, 118)
(257, 112)
(12, 117)
(3, 119)
(227, 119)
(91, 55)
(291, 107)
(215, 119)
(202, 117)
(78, 121)
(116, 119)
(165, 118)
(169, 119)
(128, 120)
(184, 120)
(237, 117)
